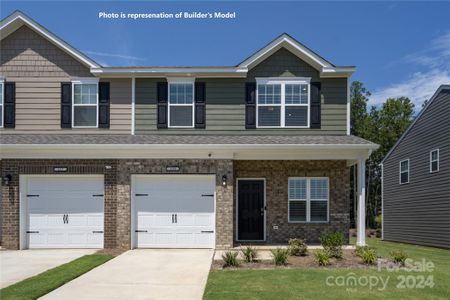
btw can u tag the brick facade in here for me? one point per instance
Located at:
(277, 173)
(117, 194)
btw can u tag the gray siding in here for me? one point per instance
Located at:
(225, 100)
(38, 68)
(419, 212)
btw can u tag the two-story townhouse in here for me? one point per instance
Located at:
(196, 157)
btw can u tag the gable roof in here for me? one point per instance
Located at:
(443, 87)
(326, 69)
(17, 19)
(301, 51)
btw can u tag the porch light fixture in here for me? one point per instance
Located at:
(224, 180)
(7, 179)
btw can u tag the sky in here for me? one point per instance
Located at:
(399, 48)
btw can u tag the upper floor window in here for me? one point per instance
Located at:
(283, 102)
(181, 104)
(1, 104)
(85, 104)
(404, 171)
(434, 161)
(308, 199)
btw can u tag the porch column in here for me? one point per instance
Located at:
(361, 218)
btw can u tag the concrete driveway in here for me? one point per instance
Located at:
(143, 274)
(19, 265)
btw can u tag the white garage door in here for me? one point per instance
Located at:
(174, 211)
(64, 212)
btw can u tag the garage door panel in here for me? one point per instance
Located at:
(65, 211)
(174, 211)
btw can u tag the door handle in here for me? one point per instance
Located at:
(207, 231)
(207, 195)
(176, 218)
(32, 231)
(141, 231)
(173, 218)
(97, 231)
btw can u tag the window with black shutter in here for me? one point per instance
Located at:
(9, 104)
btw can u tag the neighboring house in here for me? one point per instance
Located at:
(192, 157)
(416, 178)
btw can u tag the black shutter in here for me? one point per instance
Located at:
(103, 104)
(200, 103)
(315, 114)
(9, 105)
(250, 105)
(162, 104)
(66, 105)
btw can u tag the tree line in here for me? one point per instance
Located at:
(382, 125)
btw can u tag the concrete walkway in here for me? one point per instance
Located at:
(143, 274)
(18, 265)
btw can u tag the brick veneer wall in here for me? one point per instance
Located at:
(224, 195)
(10, 194)
(117, 222)
(277, 173)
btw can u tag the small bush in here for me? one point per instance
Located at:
(322, 257)
(297, 247)
(249, 254)
(379, 220)
(280, 256)
(360, 249)
(399, 257)
(230, 259)
(369, 256)
(332, 243)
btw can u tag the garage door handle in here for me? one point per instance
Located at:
(97, 195)
(97, 231)
(141, 231)
(207, 195)
(32, 231)
(141, 195)
(207, 231)
(32, 196)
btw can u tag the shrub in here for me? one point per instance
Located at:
(399, 257)
(369, 256)
(378, 220)
(230, 259)
(297, 247)
(280, 256)
(322, 257)
(360, 249)
(249, 254)
(332, 243)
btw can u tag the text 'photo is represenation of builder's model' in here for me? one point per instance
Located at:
(164, 15)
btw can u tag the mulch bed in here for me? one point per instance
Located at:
(348, 260)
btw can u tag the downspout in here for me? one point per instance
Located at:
(133, 104)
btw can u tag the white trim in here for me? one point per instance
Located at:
(133, 219)
(23, 201)
(81, 82)
(437, 160)
(308, 200)
(401, 172)
(348, 106)
(237, 210)
(282, 81)
(133, 105)
(17, 19)
(2, 102)
(361, 212)
(184, 81)
(438, 91)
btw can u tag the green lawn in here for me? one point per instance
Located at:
(311, 283)
(43, 283)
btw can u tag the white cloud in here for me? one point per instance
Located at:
(121, 56)
(420, 86)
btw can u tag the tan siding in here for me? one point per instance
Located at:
(38, 68)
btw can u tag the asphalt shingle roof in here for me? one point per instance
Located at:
(116, 139)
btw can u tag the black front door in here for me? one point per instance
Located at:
(250, 210)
